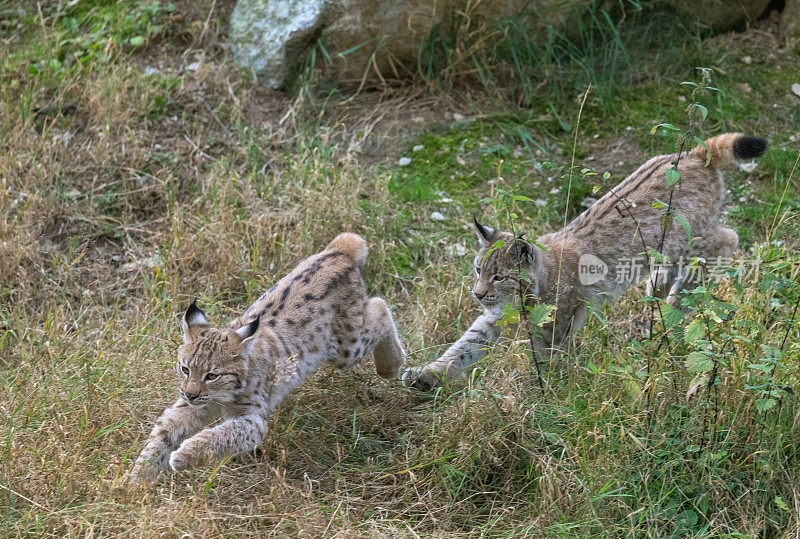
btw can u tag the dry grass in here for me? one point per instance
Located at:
(153, 189)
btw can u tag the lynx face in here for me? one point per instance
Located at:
(212, 362)
(497, 267)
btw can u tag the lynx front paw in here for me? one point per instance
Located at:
(421, 378)
(180, 461)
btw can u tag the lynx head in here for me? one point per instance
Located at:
(498, 263)
(212, 362)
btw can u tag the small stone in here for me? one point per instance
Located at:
(458, 117)
(588, 201)
(404, 161)
(555, 190)
(748, 167)
(418, 120)
(792, 138)
(682, 98)
(147, 263)
(747, 60)
(629, 128)
(596, 135)
(796, 89)
(742, 199)
(418, 147)
(537, 184)
(436, 216)
(461, 161)
(458, 250)
(744, 87)
(539, 202)
(194, 66)
(151, 71)
(446, 200)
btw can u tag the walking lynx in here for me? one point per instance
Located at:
(233, 377)
(613, 230)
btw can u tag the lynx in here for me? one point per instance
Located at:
(231, 378)
(612, 231)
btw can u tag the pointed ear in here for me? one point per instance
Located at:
(247, 331)
(191, 318)
(524, 251)
(485, 233)
(248, 336)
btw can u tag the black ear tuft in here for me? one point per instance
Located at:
(250, 329)
(747, 147)
(484, 232)
(194, 316)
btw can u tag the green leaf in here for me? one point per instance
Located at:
(606, 175)
(673, 177)
(665, 126)
(33, 71)
(495, 246)
(672, 316)
(780, 503)
(764, 405)
(137, 41)
(694, 331)
(510, 314)
(703, 110)
(699, 362)
(686, 227)
(540, 314)
(523, 198)
(595, 189)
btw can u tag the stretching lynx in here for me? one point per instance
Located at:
(610, 232)
(235, 376)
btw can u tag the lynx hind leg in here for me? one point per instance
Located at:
(379, 336)
(714, 246)
(660, 282)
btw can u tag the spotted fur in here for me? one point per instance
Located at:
(613, 230)
(233, 377)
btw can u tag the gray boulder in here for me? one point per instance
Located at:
(362, 39)
(721, 15)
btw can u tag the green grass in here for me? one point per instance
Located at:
(230, 200)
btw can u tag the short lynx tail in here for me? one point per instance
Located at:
(728, 148)
(352, 245)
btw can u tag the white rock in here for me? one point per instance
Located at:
(436, 216)
(458, 250)
(458, 117)
(151, 71)
(747, 60)
(418, 147)
(147, 263)
(539, 202)
(194, 66)
(403, 161)
(460, 161)
(555, 190)
(266, 37)
(748, 167)
(446, 200)
(796, 89)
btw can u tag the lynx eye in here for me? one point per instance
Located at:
(499, 279)
(477, 270)
(185, 370)
(212, 376)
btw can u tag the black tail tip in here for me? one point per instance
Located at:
(747, 147)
